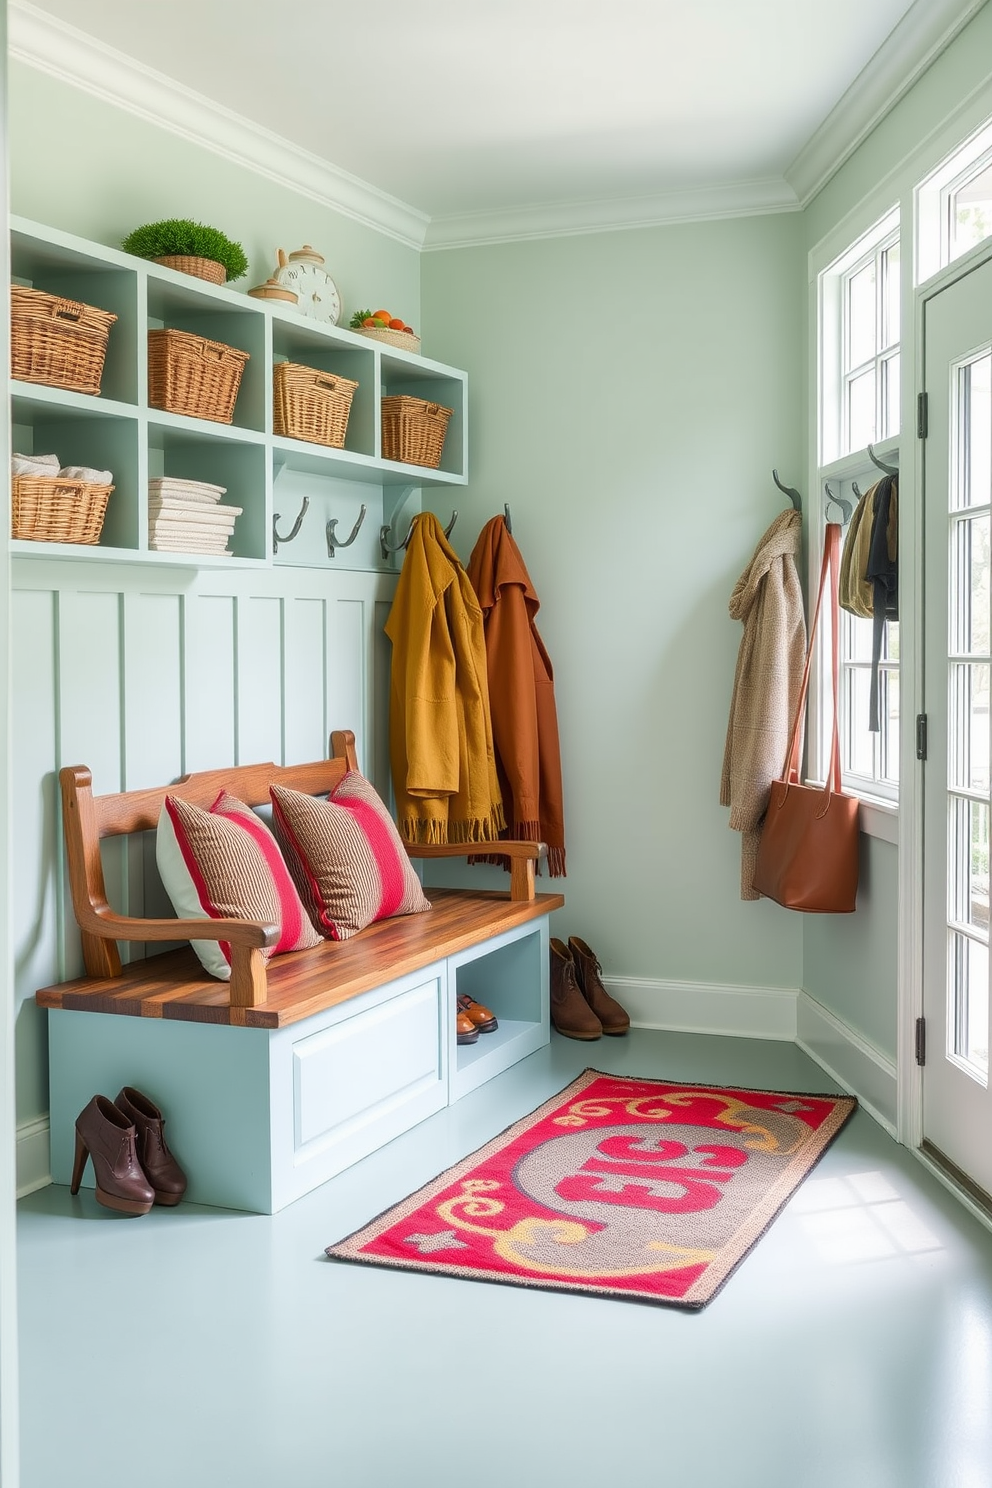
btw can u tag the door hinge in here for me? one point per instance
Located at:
(921, 736)
(921, 1040)
(922, 416)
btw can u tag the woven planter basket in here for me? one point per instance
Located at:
(413, 430)
(200, 268)
(59, 342)
(191, 375)
(46, 509)
(310, 404)
(405, 340)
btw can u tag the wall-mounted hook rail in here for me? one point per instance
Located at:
(386, 548)
(333, 541)
(506, 518)
(790, 491)
(293, 531)
(833, 500)
(887, 469)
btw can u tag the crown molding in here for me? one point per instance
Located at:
(567, 219)
(926, 29)
(62, 51)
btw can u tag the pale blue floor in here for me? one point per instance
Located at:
(196, 1347)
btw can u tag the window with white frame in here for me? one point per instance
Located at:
(859, 388)
(954, 205)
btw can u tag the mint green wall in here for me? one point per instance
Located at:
(89, 168)
(630, 393)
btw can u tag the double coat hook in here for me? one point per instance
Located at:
(386, 548)
(790, 491)
(333, 541)
(294, 530)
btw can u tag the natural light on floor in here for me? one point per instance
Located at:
(860, 1218)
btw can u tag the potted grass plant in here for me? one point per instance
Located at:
(190, 247)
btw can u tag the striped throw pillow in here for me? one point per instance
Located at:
(346, 857)
(225, 864)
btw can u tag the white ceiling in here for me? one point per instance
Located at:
(469, 109)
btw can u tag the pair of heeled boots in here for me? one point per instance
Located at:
(581, 1007)
(134, 1168)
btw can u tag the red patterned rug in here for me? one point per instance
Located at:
(644, 1189)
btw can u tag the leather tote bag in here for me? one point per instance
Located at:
(808, 853)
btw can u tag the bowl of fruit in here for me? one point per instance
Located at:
(379, 325)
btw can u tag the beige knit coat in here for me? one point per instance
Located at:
(768, 599)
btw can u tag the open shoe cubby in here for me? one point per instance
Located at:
(264, 473)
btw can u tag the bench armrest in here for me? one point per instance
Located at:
(522, 856)
(111, 926)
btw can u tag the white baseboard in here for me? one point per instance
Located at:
(702, 1007)
(33, 1161)
(857, 1065)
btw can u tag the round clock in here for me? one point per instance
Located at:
(316, 293)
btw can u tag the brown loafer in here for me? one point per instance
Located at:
(106, 1135)
(465, 1030)
(570, 1013)
(161, 1169)
(481, 1017)
(589, 974)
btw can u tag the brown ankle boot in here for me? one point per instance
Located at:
(161, 1169)
(590, 978)
(106, 1135)
(570, 1013)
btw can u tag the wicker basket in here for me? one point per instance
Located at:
(189, 374)
(405, 340)
(413, 431)
(310, 404)
(61, 343)
(200, 268)
(46, 509)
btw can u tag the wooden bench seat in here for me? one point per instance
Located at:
(303, 1063)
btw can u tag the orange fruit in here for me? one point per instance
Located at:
(396, 325)
(382, 315)
(369, 321)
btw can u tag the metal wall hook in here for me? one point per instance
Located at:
(833, 500)
(385, 548)
(790, 491)
(294, 530)
(506, 518)
(333, 541)
(887, 469)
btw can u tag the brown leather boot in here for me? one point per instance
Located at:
(589, 974)
(161, 1169)
(106, 1135)
(570, 1013)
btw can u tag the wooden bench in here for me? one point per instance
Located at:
(303, 1064)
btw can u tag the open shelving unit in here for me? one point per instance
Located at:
(264, 473)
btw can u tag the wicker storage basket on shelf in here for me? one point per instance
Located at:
(310, 404)
(59, 342)
(200, 268)
(413, 430)
(189, 374)
(48, 509)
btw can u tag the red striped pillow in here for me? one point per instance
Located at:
(346, 856)
(225, 864)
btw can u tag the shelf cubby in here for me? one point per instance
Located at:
(218, 317)
(413, 377)
(240, 466)
(80, 436)
(316, 347)
(512, 981)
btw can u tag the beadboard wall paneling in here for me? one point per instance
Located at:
(144, 675)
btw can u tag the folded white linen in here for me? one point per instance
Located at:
(167, 485)
(88, 474)
(34, 465)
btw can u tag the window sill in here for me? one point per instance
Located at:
(877, 818)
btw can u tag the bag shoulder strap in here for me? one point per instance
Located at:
(829, 578)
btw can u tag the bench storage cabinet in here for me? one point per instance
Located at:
(318, 1057)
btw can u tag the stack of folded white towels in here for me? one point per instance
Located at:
(49, 466)
(184, 516)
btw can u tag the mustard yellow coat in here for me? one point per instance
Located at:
(440, 730)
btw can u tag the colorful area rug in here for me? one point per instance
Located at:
(643, 1189)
